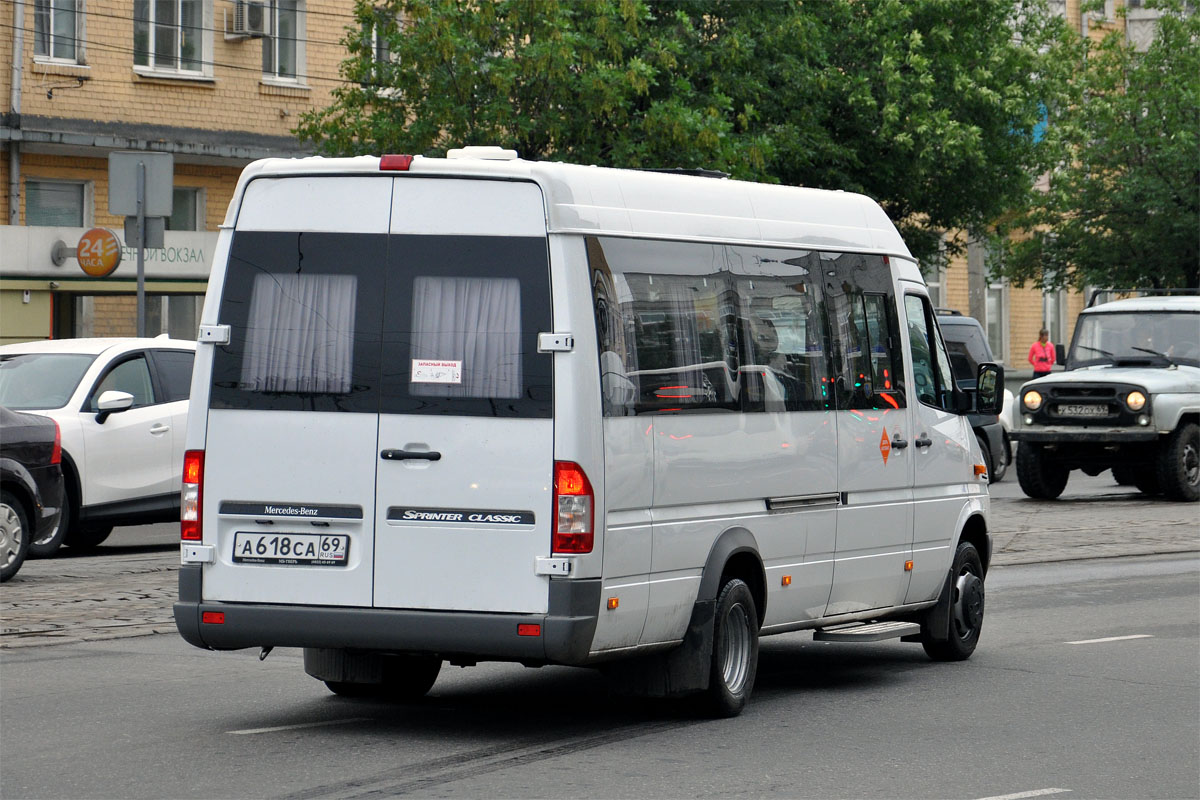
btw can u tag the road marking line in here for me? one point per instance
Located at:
(248, 731)
(1022, 795)
(1113, 639)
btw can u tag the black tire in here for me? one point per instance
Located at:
(735, 651)
(1179, 464)
(1147, 481)
(1039, 478)
(405, 678)
(87, 537)
(1000, 467)
(986, 452)
(14, 535)
(48, 545)
(966, 609)
(1125, 475)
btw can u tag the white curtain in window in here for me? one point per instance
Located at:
(300, 335)
(473, 320)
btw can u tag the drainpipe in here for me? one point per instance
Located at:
(14, 144)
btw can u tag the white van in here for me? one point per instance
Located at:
(480, 408)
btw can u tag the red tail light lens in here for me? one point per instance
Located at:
(191, 496)
(573, 509)
(397, 163)
(56, 453)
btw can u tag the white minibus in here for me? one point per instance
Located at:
(480, 408)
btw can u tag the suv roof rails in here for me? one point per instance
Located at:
(1098, 293)
(947, 312)
(699, 173)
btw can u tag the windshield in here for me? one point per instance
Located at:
(40, 380)
(1136, 338)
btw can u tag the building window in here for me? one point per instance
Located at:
(996, 314)
(56, 29)
(169, 35)
(283, 47)
(187, 210)
(56, 203)
(375, 33)
(1054, 314)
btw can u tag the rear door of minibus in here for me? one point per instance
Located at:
(465, 452)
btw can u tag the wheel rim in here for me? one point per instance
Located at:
(1191, 463)
(968, 604)
(735, 648)
(10, 535)
(49, 536)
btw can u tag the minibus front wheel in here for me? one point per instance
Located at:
(966, 609)
(735, 650)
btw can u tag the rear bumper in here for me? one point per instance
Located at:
(566, 630)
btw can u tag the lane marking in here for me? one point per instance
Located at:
(249, 731)
(1113, 639)
(1022, 795)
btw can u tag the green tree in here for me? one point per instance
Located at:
(928, 106)
(1123, 208)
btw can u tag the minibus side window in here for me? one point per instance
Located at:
(666, 322)
(869, 361)
(782, 329)
(931, 364)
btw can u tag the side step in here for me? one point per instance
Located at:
(866, 632)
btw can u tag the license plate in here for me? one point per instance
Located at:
(304, 549)
(1083, 411)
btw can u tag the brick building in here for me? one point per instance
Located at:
(216, 83)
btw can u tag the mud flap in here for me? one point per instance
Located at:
(936, 621)
(681, 671)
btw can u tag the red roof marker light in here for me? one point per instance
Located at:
(399, 163)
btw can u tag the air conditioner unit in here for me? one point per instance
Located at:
(250, 18)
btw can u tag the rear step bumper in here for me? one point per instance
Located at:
(566, 631)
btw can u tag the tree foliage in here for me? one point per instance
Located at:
(928, 106)
(1123, 207)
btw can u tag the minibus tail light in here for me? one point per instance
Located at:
(192, 496)
(56, 453)
(573, 509)
(397, 163)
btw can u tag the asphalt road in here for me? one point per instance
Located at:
(1058, 697)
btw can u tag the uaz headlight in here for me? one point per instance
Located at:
(1032, 400)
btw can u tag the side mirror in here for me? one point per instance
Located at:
(989, 392)
(1060, 354)
(112, 402)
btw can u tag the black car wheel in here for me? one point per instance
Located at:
(1179, 464)
(14, 535)
(1039, 477)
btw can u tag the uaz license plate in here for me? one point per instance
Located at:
(1089, 410)
(306, 549)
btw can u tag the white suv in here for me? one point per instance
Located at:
(1129, 401)
(122, 407)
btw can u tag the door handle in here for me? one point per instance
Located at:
(899, 444)
(922, 441)
(160, 428)
(403, 455)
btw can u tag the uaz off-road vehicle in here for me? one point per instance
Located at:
(1129, 401)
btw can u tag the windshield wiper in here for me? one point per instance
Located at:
(1104, 353)
(1163, 356)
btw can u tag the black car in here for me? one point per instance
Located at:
(968, 348)
(31, 484)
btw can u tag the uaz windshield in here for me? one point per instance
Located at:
(1136, 338)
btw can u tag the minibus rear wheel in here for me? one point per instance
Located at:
(735, 650)
(966, 609)
(404, 678)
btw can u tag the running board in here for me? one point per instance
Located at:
(866, 632)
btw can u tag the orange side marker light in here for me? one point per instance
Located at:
(908, 566)
(980, 469)
(613, 602)
(787, 580)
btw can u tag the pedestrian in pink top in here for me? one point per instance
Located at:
(1041, 354)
